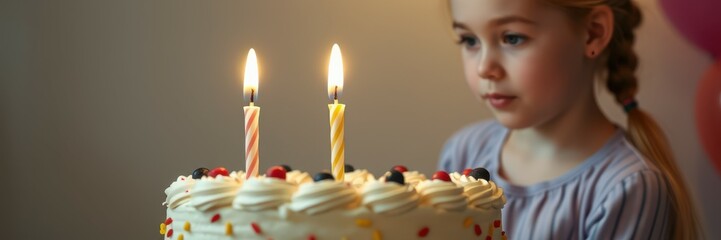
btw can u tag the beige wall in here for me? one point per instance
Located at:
(103, 103)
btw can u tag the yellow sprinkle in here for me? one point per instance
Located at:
(186, 227)
(364, 223)
(228, 229)
(467, 222)
(504, 237)
(490, 229)
(344, 238)
(377, 235)
(180, 237)
(162, 228)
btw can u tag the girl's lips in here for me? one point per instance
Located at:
(498, 100)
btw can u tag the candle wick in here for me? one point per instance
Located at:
(335, 95)
(252, 95)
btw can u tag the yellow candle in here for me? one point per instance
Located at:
(252, 116)
(337, 114)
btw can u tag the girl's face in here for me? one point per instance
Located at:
(522, 58)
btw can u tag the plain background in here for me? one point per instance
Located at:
(104, 103)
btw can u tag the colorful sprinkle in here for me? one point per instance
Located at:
(423, 232)
(364, 223)
(311, 237)
(215, 218)
(497, 223)
(503, 235)
(228, 229)
(168, 221)
(162, 228)
(489, 237)
(477, 229)
(170, 232)
(377, 235)
(490, 229)
(256, 228)
(186, 226)
(180, 237)
(467, 222)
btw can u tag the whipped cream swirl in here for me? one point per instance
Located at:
(481, 193)
(442, 195)
(319, 197)
(358, 177)
(263, 193)
(298, 177)
(178, 193)
(212, 193)
(389, 198)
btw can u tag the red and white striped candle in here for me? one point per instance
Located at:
(337, 114)
(252, 116)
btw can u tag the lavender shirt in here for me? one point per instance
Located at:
(614, 194)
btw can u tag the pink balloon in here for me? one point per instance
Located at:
(708, 113)
(698, 20)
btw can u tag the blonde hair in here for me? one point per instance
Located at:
(619, 63)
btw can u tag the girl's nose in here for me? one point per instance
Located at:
(489, 67)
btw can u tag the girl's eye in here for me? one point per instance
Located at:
(514, 39)
(468, 41)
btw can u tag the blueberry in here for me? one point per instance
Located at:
(287, 168)
(200, 172)
(481, 173)
(322, 176)
(396, 177)
(348, 168)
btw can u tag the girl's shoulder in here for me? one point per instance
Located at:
(622, 165)
(472, 146)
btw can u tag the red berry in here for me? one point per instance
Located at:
(168, 221)
(467, 171)
(276, 172)
(423, 232)
(441, 175)
(400, 168)
(478, 230)
(256, 228)
(218, 171)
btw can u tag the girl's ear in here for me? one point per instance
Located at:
(598, 30)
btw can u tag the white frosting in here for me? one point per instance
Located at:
(358, 177)
(298, 177)
(319, 197)
(211, 193)
(263, 193)
(481, 193)
(442, 195)
(338, 224)
(178, 193)
(389, 198)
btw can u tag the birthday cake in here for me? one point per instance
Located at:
(290, 204)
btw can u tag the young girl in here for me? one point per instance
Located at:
(567, 171)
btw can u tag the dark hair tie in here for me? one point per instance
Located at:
(629, 104)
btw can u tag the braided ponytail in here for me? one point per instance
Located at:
(643, 132)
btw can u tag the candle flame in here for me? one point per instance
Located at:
(250, 79)
(335, 73)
